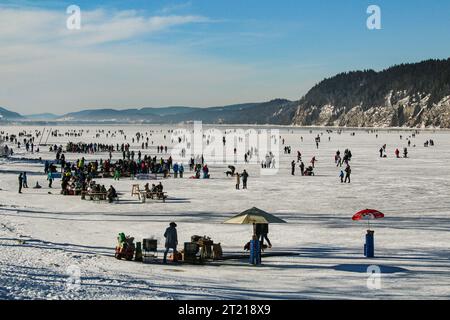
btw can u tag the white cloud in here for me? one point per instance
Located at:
(97, 26)
(46, 68)
(125, 25)
(175, 7)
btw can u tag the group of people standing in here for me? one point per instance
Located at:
(383, 154)
(239, 176)
(244, 175)
(23, 182)
(304, 171)
(171, 236)
(345, 174)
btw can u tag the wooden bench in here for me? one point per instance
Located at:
(159, 195)
(96, 196)
(143, 195)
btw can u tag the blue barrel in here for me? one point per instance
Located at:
(255, 252)
(369, 246)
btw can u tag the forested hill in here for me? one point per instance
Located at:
(413, 95)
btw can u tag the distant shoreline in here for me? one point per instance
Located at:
(222, 125)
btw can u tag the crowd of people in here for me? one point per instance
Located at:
(78, 175)
(88, 148)
(429, 143)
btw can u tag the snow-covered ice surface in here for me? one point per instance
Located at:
(42, 234)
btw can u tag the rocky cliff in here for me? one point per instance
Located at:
(408, 95)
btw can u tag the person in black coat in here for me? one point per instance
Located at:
(20, 182)
(348, 172)
(262, 230)
(244, 176)
(171, 240)
(302, 168)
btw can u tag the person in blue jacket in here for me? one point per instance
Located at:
(181, 170)
(175, 170)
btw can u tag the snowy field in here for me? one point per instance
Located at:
(45, 235)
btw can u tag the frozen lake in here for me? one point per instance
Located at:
(42, 234)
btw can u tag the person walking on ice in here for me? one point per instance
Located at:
(171, 236)
(238, 181)
(313, 161)
(20, 182)
(116, 174)
(244, 179)
(348, 172)
(50, 179)
(262, 230)
(302, 168)
(181, 170)
(25, 180)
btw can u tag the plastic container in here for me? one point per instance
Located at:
(369, 246)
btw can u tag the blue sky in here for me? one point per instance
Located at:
(202, 52)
